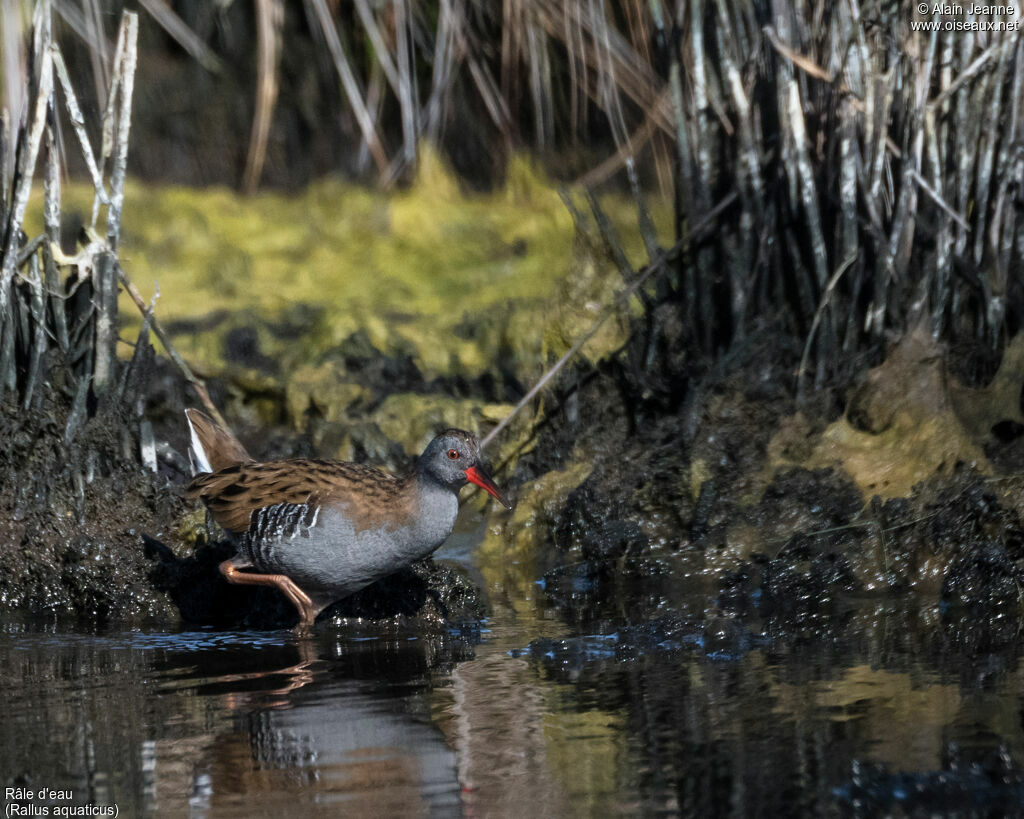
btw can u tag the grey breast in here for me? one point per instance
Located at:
(321, 550)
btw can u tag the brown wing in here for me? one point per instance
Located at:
(369, 497)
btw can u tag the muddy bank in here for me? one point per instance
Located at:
(72, 514)
(903, 480)
(647, 474)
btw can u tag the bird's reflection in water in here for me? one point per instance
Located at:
(268, 688)
(321, 724)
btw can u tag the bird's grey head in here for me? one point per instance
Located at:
(453, 459)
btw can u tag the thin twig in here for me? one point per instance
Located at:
(78, 125)
(942, 203)
(170, 22)
(349, 83)
(631, 147)
(656, 266)
(197, 383)
(974, 68)
(825, 297)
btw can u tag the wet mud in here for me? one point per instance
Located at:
(74, 503)
(763, 503)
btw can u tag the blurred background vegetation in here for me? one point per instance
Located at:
(851, 177)
(243, 94)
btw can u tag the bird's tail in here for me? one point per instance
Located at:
(212, 448)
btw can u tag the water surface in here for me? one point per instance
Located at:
(889, 706)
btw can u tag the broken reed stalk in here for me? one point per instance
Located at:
(124, 71)
(269, 21)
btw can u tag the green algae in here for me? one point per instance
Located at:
(413, 420)
(447, 276)
(902, 424)
(268, 291)
(324, 387)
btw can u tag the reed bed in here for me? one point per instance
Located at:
(878, 169)
(59, 292)
(873, 170)
(50, 300)
(865, 174)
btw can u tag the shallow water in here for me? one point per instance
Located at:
(885, 707)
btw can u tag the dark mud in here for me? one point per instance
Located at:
(426, 596)
(73, 506)
(699, 496)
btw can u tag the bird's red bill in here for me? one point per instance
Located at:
(483, 480)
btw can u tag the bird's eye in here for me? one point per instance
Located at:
(453, 454)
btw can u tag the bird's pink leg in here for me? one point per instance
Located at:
(307, 610)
